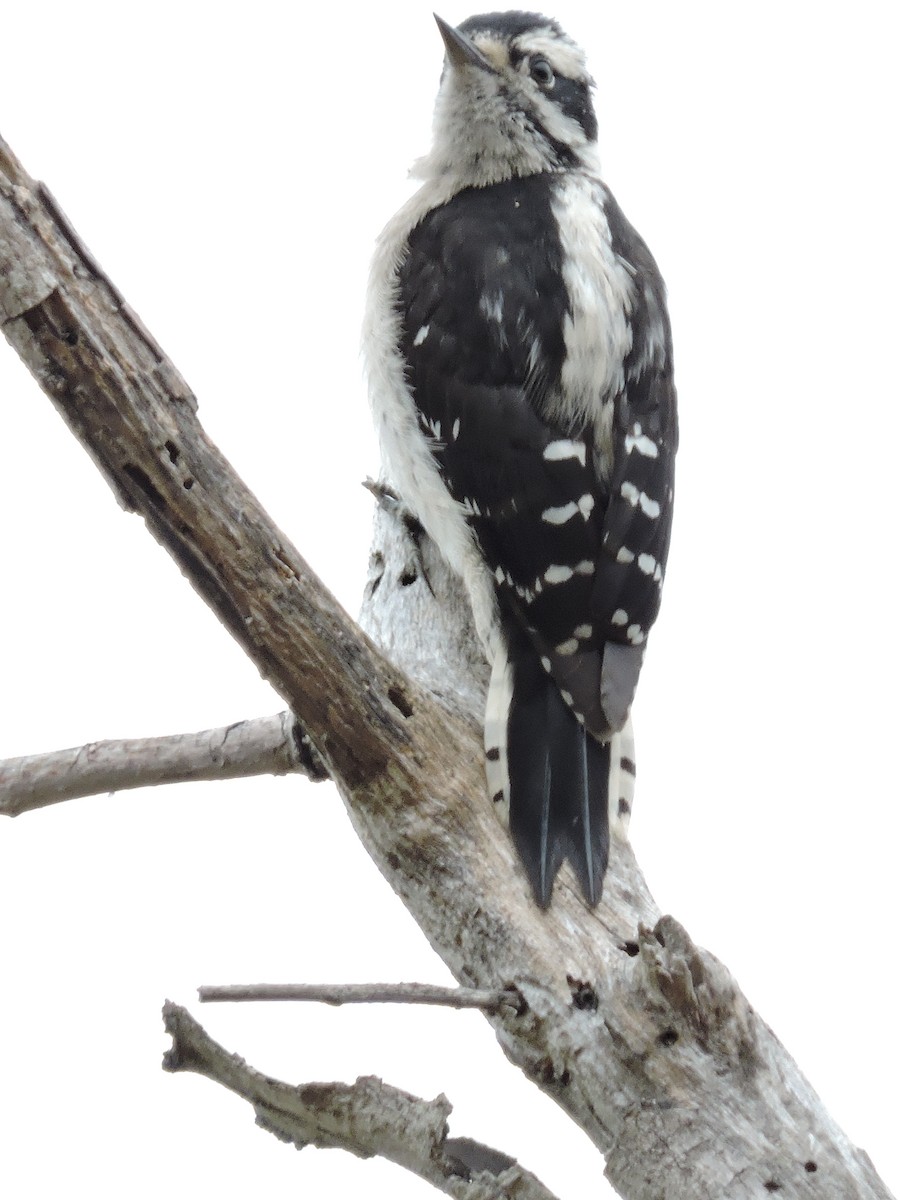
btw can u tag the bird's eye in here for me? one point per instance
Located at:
(542, 73)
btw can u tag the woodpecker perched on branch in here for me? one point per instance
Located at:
(520, 368)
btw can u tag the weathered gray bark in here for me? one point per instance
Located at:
(364, 1118)
(642, 1037)
(486, 999)
(265, 746)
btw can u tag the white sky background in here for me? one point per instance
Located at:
(230, 166)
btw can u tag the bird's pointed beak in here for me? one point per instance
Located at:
(460, 50)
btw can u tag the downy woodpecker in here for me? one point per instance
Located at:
(520, 369)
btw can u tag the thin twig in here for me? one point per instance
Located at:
(486, 999)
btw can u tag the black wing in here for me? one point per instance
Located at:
(482, 305)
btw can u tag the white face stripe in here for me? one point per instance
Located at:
(561, 53)
(567, 60)
(494, 49)
(564, 56)
(559, 125)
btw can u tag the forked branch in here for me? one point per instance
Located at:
(366, 1118)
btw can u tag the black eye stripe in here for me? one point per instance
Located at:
(573, 97)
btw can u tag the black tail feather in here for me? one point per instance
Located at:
(558, 784)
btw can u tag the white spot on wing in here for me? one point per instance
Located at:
(585, 567)
(638, 440)
(558, 574)
(619, 617)
(630, 493)
(635, 634)
(647, 563)
(586, 505)
(561, 514)
(583, 631)
(455, 433)
(421, 335)
(568, 647)
(624, 555)
(636, 497)
(564, 448)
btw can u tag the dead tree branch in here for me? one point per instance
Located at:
(487, 999)
(265, 746)
(643, 1038)
(365, 1118)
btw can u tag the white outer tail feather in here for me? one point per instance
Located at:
(496, 716)
(620, 792)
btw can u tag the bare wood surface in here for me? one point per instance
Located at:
(366, 1118)
(643, 1038)
(130, 408)
(264, 746)
(487, 999)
